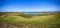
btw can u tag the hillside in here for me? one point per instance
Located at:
(26, 20)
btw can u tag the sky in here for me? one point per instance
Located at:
(29, 5)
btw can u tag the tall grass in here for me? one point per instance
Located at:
(30, 21)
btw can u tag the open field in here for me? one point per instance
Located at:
(22, 20)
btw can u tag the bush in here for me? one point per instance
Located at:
(25, 15)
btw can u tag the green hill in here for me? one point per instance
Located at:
(20, 18)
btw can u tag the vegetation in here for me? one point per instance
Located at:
(46, 20)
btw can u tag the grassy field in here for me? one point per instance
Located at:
(22, 20)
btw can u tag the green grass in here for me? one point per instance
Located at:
(31, 20)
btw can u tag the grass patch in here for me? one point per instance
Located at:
(31, 20)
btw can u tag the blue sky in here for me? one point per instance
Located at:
(29, 5)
